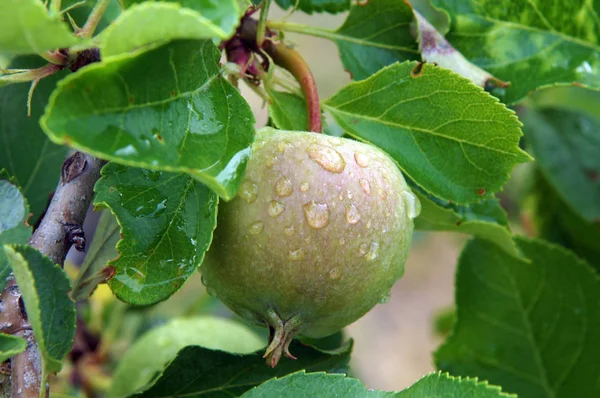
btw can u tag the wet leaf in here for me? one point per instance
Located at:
(453, 139)
(529, 44)
(50, 311)
(288, 111)
(190, 119)
(139, 365)
(530, 327)
(167, 221)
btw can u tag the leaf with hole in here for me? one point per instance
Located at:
(450, 137)
(167, 222)
(189, 119)
(529, 326)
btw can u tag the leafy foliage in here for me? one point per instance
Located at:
(11, 345)
(26, 152)
(27, 28)
(150, 22)
(50, 312)
(189, 120)
(303, 385)
(528, 43)
(199, 371)
(456, 141)
(374, 35)
(13, 229)
(139, 365)
(167, 222)
(528, 326)
(310, 6)
(288, 111)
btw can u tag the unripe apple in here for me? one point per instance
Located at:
(316, 237)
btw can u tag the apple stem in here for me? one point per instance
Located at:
(281, 334)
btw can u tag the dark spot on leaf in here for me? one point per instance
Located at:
(592, 175)
(458, 223)
(362, 3)
(87, 90)
(159, 138)
(481, 191)
(111, 189)
(577, 84)
(172, 93)
(355, 121)
(131, 100)
(416, 72)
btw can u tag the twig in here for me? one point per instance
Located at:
(59, 229)
(93, 19)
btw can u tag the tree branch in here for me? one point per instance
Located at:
(59, 229)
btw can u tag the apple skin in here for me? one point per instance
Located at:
(317, 235)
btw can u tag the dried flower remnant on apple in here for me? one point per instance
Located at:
(317, 236)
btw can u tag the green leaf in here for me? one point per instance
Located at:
(11, 346)
(94, 268)
(529, 44)
(557, 223)
(486, 220)
(223, 13)
(288, 111)
(190, 119)
(27, 28)
(309, 385)
(26, 152)
(530, 327)
(50, 311)
(198, 371)
(435, 49)
(139, 365)
(566, 145)
(14, 212)
(157, 22)
(310, 6)
(374, 35)
(453, 139)
(167, 221)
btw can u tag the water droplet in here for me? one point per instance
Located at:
(289, 230)
(248, 191)
(363, 249)
(361, 159)
(316, 214)
(365, 186)
(256, 227)
(328, 158)
(385, 298)
(335, 273)
(342, 241)
(296, 255)
(284, 187)
(349, 194)
(352, 214)
(372, 254)
(413, 205)
(275, 208)
(304, 186)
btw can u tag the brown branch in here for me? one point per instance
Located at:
(60, 228)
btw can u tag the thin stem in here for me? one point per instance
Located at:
(332, 35)
(262, 22)
(54, 57)
(55, 6)
(94, 19)
(30, 74)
